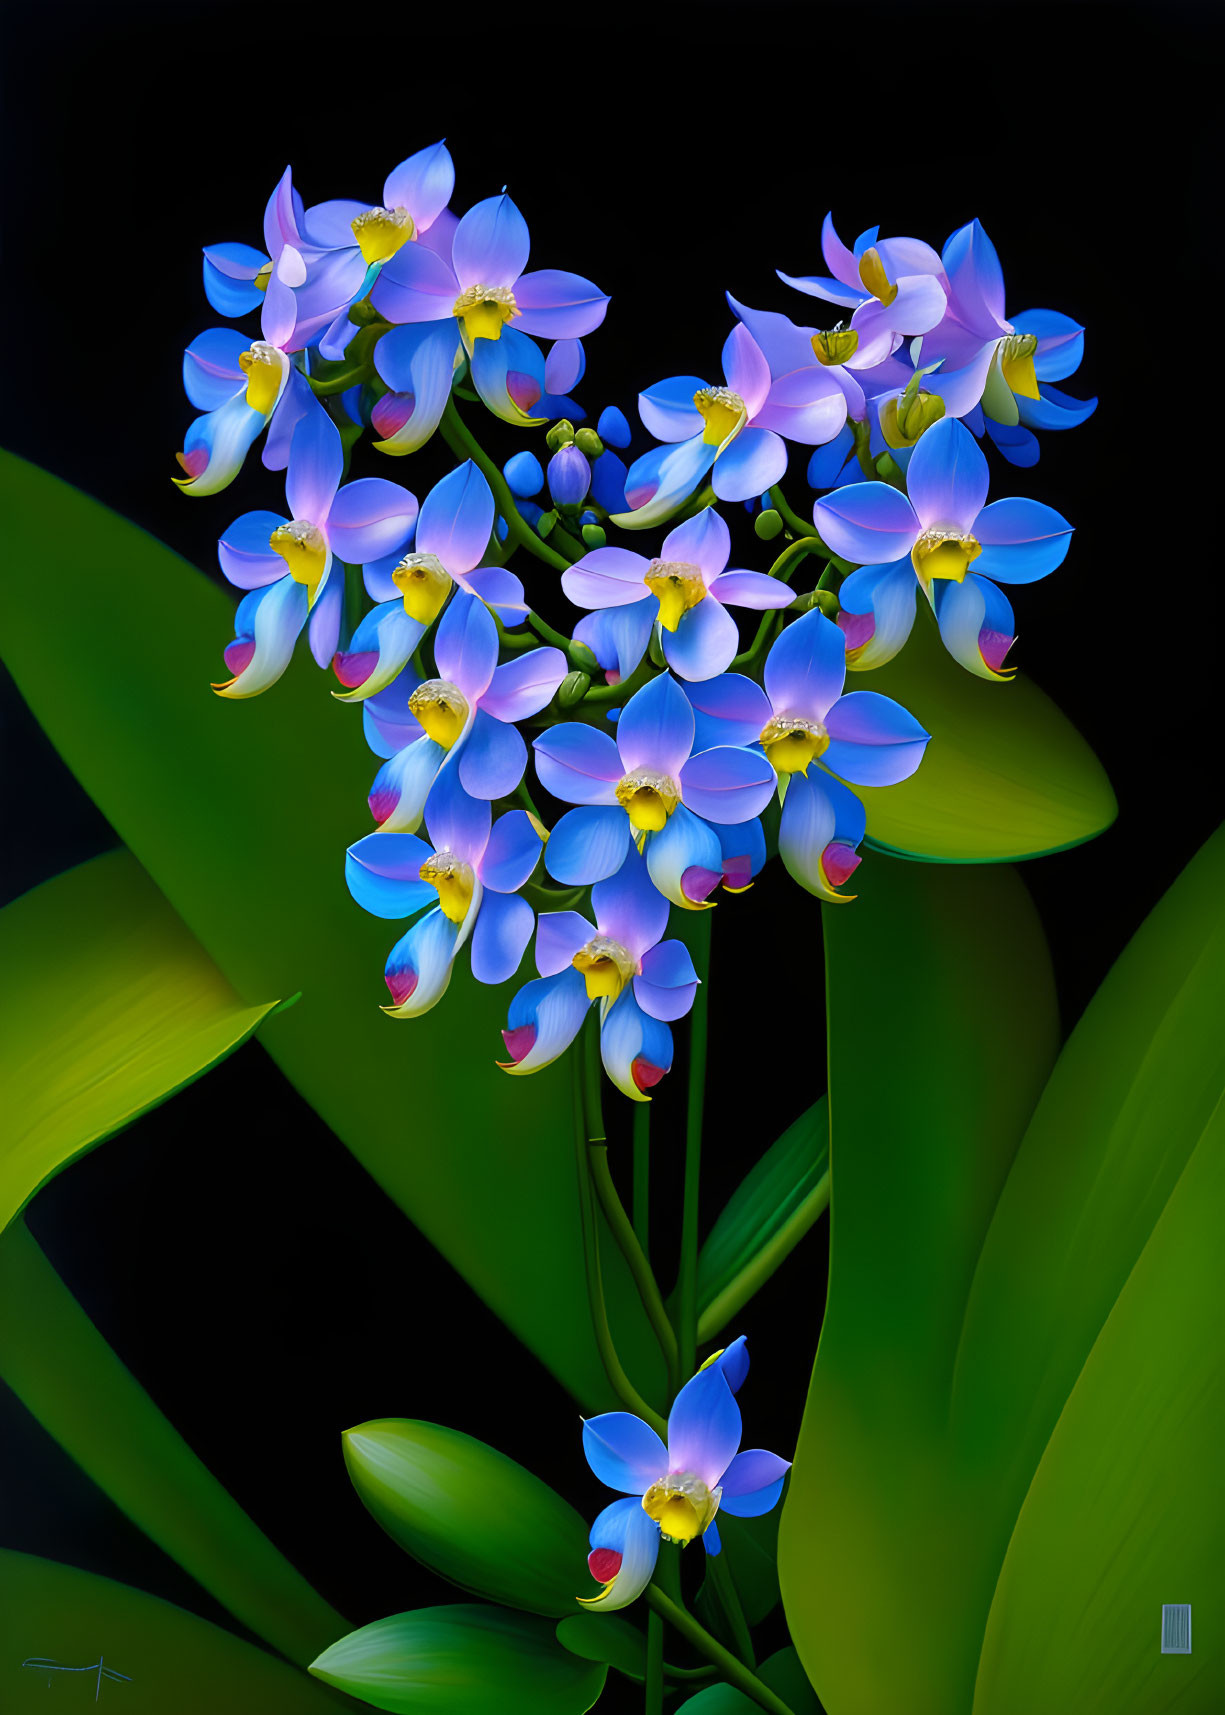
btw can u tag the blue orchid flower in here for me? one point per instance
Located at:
(640, 982)
(236, 275)
(934, 534)
(674, 1491)
(647, 787)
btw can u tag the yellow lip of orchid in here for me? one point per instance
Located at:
(875, 280)
(380, 232)
(723, 412)
(681, 1505)
(1015, 355)
(442, 710)
(425, 583)
(836, 345)
(792, 743)
(903, 420)
(483, 311)
(303, 547)
(677, 585)
(606, 967)
(264, 367)
(944, 553)
(648, 798)
(453, 880)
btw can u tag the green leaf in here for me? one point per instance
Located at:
(605, 1637)
(241, 813)
(173, 1660)
(1005, 776)
(462, 1660)
(1011, 1444)
(767, 1215)
(63, 1371)
(783, 1674)
(470, 1514)
(109, 1006)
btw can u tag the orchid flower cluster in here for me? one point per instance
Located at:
(679, 759)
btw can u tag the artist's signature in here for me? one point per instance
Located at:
(44, 1664)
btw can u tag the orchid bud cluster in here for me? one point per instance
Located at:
(660, 741)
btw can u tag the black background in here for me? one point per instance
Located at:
(227, 1245)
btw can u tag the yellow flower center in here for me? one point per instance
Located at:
(1016, 360)
(835, 346)
(648, 798)
(262, 365)
(791, 743)
(425, 583)
(453, 881)
(677, 586)
(723, 413)
(442, 710)
(261, 280)
(606, 967)
(380, 232)
(304, 550)
(944, 554)
(681, 1505)
(875, 280)
(483, 311)
(903, 420)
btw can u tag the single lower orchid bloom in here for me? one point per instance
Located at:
(469, 875)
(474, 295)
(686, 591)
(894, 284)
(936, 532)
(288, 564)
(451, 537)
(647, 787)
(466, 712)
(620, 962)
(674, 1491)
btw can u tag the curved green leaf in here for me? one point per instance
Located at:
(63, 1371)
(605, 1637)
(766, 1216)
(109, 1006)
(470, 1514)
(173, 1660)
(1005, 776)
(462, 1660)
(784, 1675)
(241, 813)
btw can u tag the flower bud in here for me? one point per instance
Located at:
(583, 658)
(587, 441)
(560, 435)
(594, 536)
(569, 476)
(612, 427)
(768, 524)
(828, 602)
(524, 476)
(573, 689)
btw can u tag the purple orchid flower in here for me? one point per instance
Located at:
(287, 563)
(895, 286)
(640, 981)
(937, 534)
(467, 712)
(468, 300)
(736, 428)
(452, 534)
(686, 591)
(236, 275)
(647, 788)
(674, 1492)
(802, 718)
(470, 874)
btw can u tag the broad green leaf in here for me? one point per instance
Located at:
(783, 1674)
(172, 1659)
(241, 813)
(933, 1076)
(1003, 1517)
(605, 1637)
(767, 1215)
(470, 1514)
(63, 1371)
(462, 1660)
(109, 1006)
(1005, 776)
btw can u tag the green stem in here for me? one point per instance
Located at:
(736, 1294)
(687, 1301)
(784, 567)
(696, 503)
(719, 1573)
(654, 1702)
(463, 443)
(765, 630)
(631, 1250)
(601, 694)
(613, 1369)
(735, 1672)
(862, 436)
(791, 519)
(642, 1175)
(543, 629)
